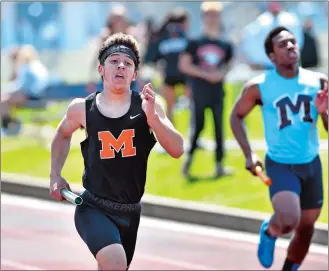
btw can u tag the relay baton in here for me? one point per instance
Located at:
(71, 197)
(260, 173)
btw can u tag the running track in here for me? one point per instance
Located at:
(40, 235)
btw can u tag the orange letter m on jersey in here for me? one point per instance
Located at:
(124, 143)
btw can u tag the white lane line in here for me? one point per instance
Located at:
(219, 233)
(175, 263)
(19, 266)
(148, 222)
(34, 203)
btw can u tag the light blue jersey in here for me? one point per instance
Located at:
(290, 116)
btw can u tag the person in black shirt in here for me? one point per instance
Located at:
(120, 126)
(170, 41)
(206, 61)
(117, 21)
(309, 53)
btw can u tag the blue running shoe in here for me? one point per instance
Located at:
(266, 246)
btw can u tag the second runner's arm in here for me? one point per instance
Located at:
(247, 100)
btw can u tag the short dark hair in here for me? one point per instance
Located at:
(268, 44)
(122, 39)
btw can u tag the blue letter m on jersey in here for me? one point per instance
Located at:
(283, 104)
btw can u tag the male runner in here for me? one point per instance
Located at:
(119, 125)
(291, 100)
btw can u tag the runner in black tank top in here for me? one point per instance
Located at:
(115, 156)
(121, 126)
(112, 171)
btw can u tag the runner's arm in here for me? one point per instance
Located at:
(167, 135)
(248, 99)
(61, 142)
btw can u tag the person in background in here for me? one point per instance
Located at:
(116, 22)
(206, 61)
(31, 79)
(255, 33)
(309, 53)
(171, 42)
(13, 53)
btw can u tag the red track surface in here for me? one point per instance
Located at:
(45, 238)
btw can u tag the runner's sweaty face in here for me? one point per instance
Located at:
(285, 49)
(118, 71)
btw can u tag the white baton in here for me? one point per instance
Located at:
(71, 197)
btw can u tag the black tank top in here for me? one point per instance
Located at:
(116, 152)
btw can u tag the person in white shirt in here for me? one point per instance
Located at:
(254, 34)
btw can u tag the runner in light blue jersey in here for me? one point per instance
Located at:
(289, 116)
(291, 100)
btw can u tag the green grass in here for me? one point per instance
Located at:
(242, 190)
(26, 156)
(54, 112)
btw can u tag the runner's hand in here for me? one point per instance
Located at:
(252, 162)
(321, 100)
(56, 184)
